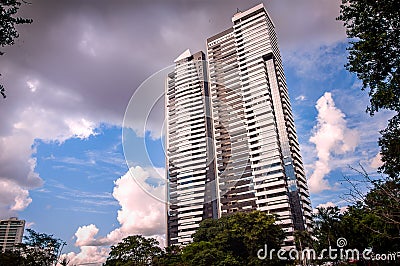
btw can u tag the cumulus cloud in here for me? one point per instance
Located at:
(142, 212)
(331, 137)
(88, 254)
(85, 235)
(13, 198)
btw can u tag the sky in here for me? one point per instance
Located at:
(80, 150)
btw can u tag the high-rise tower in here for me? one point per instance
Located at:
(189, 141)
(257, 161)
(246, 75)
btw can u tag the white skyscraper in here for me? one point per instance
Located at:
(189, 159)
(257, 157)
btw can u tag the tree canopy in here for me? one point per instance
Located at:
(234, 240)
(231, 240)
(134, 250)
(374, 27)
(37, 249)
(371, 222)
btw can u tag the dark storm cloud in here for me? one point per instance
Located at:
(100, 51)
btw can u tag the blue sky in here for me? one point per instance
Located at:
(71, 75)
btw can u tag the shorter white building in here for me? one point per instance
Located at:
(11, 232)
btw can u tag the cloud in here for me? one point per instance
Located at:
(135, 216)
(300, 98)
(88, 254)
(85, 235)
(331, 137)
(306, 23)
(142, 212)
(13, 198)
(376, 161)
(81, 128)
(329, 204)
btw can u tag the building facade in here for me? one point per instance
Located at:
(11, 232)
(257, 157)
(189, 162)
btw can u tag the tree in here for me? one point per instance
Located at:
(234, 240)
(134, 250)
(11, 258)
(374, 29)
(326, 224)
(38, 249)
(8, 20)
(390, 148)
(378, 197)
(170, 256)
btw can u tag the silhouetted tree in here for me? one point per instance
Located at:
(37, 249)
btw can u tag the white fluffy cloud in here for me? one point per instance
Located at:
(331, 137)
(85, 235)
(142, 212)
(88, 254)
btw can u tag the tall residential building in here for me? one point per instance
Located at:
(11, 232)
(189, 144)
(257, 161)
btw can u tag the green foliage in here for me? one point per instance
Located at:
(234, 240)
(170, 256)
(354, 223)
(374, 29)
(134, 250)
(8, 20)
(206, 253)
